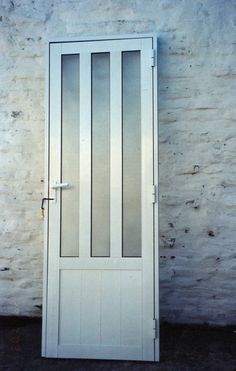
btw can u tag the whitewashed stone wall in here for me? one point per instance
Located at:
(197, 106)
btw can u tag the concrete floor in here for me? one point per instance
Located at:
(182, 348)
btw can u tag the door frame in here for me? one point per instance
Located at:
(155, 175)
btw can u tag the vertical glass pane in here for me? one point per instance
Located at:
(100, 154)
(70, 156)
(131, 154)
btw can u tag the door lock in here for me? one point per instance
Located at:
(42, 205)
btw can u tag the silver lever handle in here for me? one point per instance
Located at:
(57, 186)
(60, 185)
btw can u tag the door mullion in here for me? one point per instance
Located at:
(116, 156)
(85, 156)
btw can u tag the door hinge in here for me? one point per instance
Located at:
(154, 193)
(153, 58)
(156, 328)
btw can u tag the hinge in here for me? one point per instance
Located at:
(156, 328)
(153, 58)
(154, 193)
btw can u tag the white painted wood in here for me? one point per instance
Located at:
(54, 208)
(131, 308)
(100, 263)
(116, 156)
(156, 205)
(104, 46)
(106, 304)
(97, 352)
(85, 156)
(110, 307)
(105, 307)
(147, 206)
(70, 307)
(46, 193)
(91, 307)
(102, 37)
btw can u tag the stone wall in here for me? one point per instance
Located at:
(197, 109)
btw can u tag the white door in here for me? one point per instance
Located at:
(101, 281)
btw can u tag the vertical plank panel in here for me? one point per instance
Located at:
(131, 308)
(91, 307)
(110, 307)
(70, 303)
(85, 155)
(116, 156)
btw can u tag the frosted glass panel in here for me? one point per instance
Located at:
(70, 156)
(101, 154)
(131, 154)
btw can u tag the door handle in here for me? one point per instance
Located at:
(60, 185)
(56, 186)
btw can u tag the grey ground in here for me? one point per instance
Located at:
(182, 348)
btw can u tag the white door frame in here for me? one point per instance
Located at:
(155, 176)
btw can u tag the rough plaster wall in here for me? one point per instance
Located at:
(197, 75)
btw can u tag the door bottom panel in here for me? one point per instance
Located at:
(100, 308)
(100, 352)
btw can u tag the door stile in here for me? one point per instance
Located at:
(116, 156)
(54, 209)
(46, 221)
(155, 206)
(147, 207)
(85, 156)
